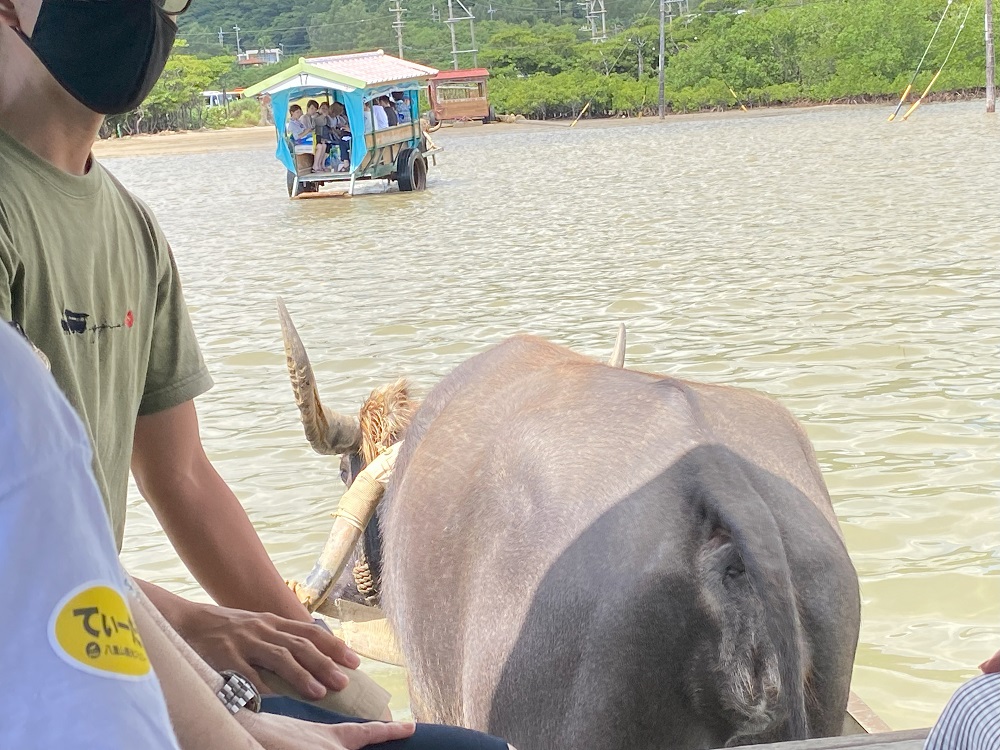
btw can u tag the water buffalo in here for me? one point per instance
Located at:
(580, 556)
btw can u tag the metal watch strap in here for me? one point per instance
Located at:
(238, 692)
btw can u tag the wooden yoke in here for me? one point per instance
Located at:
(356, 509)
(362, 697)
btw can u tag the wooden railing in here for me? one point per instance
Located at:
(389, 136)
(912, 739)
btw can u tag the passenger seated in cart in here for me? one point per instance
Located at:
(390, 111)
(375, 117)
(323, 126)
(312, 113)
(297, 129)
(402, 107)
(341, 129)
(326, 124)
(321, 123)
(304, 140)
(339, 117)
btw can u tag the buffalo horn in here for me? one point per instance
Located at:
(356, 509)
(618, 355)
(327, 431)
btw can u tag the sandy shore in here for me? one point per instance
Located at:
(249, 139)
(188, 142)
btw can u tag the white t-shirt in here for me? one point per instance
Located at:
(381, 118)
(75, 673)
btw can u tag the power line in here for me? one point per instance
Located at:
(452, 20)
(794, 5)
(515, 9)
(245, 32)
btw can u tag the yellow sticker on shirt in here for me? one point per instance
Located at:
(92, 629)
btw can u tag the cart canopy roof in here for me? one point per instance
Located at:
(347, 73)
(461, 75)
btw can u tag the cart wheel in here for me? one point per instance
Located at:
(411, 170)
(432, 118)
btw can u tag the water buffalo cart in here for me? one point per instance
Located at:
(362, 146)
(460, 95)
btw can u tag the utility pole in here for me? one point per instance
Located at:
(640, 44)
(237, 30)
(991, 104)
(595, 11)
(454, 45)
(435, 16)
(559, 3)
(397, 8)
(472, 36)
(222, 42)
(452, 20)
(663, 10)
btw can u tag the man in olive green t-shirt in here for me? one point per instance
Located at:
(105, 306)
(86, 274)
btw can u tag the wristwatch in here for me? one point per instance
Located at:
(238, 692)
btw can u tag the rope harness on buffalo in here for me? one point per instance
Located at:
(356, 509)
(365, 581)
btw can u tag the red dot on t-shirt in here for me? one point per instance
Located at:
(129, 319)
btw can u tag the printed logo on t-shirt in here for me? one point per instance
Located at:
(78, 322)
(92, 629)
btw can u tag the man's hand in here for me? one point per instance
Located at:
(304, 654)
(991, 665)
(275, 732)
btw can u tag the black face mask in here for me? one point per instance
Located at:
(106, 53)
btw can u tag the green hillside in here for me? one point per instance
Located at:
(312, 25)
(722, 53)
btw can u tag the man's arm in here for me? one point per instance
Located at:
(203, 518)
(213, 536)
